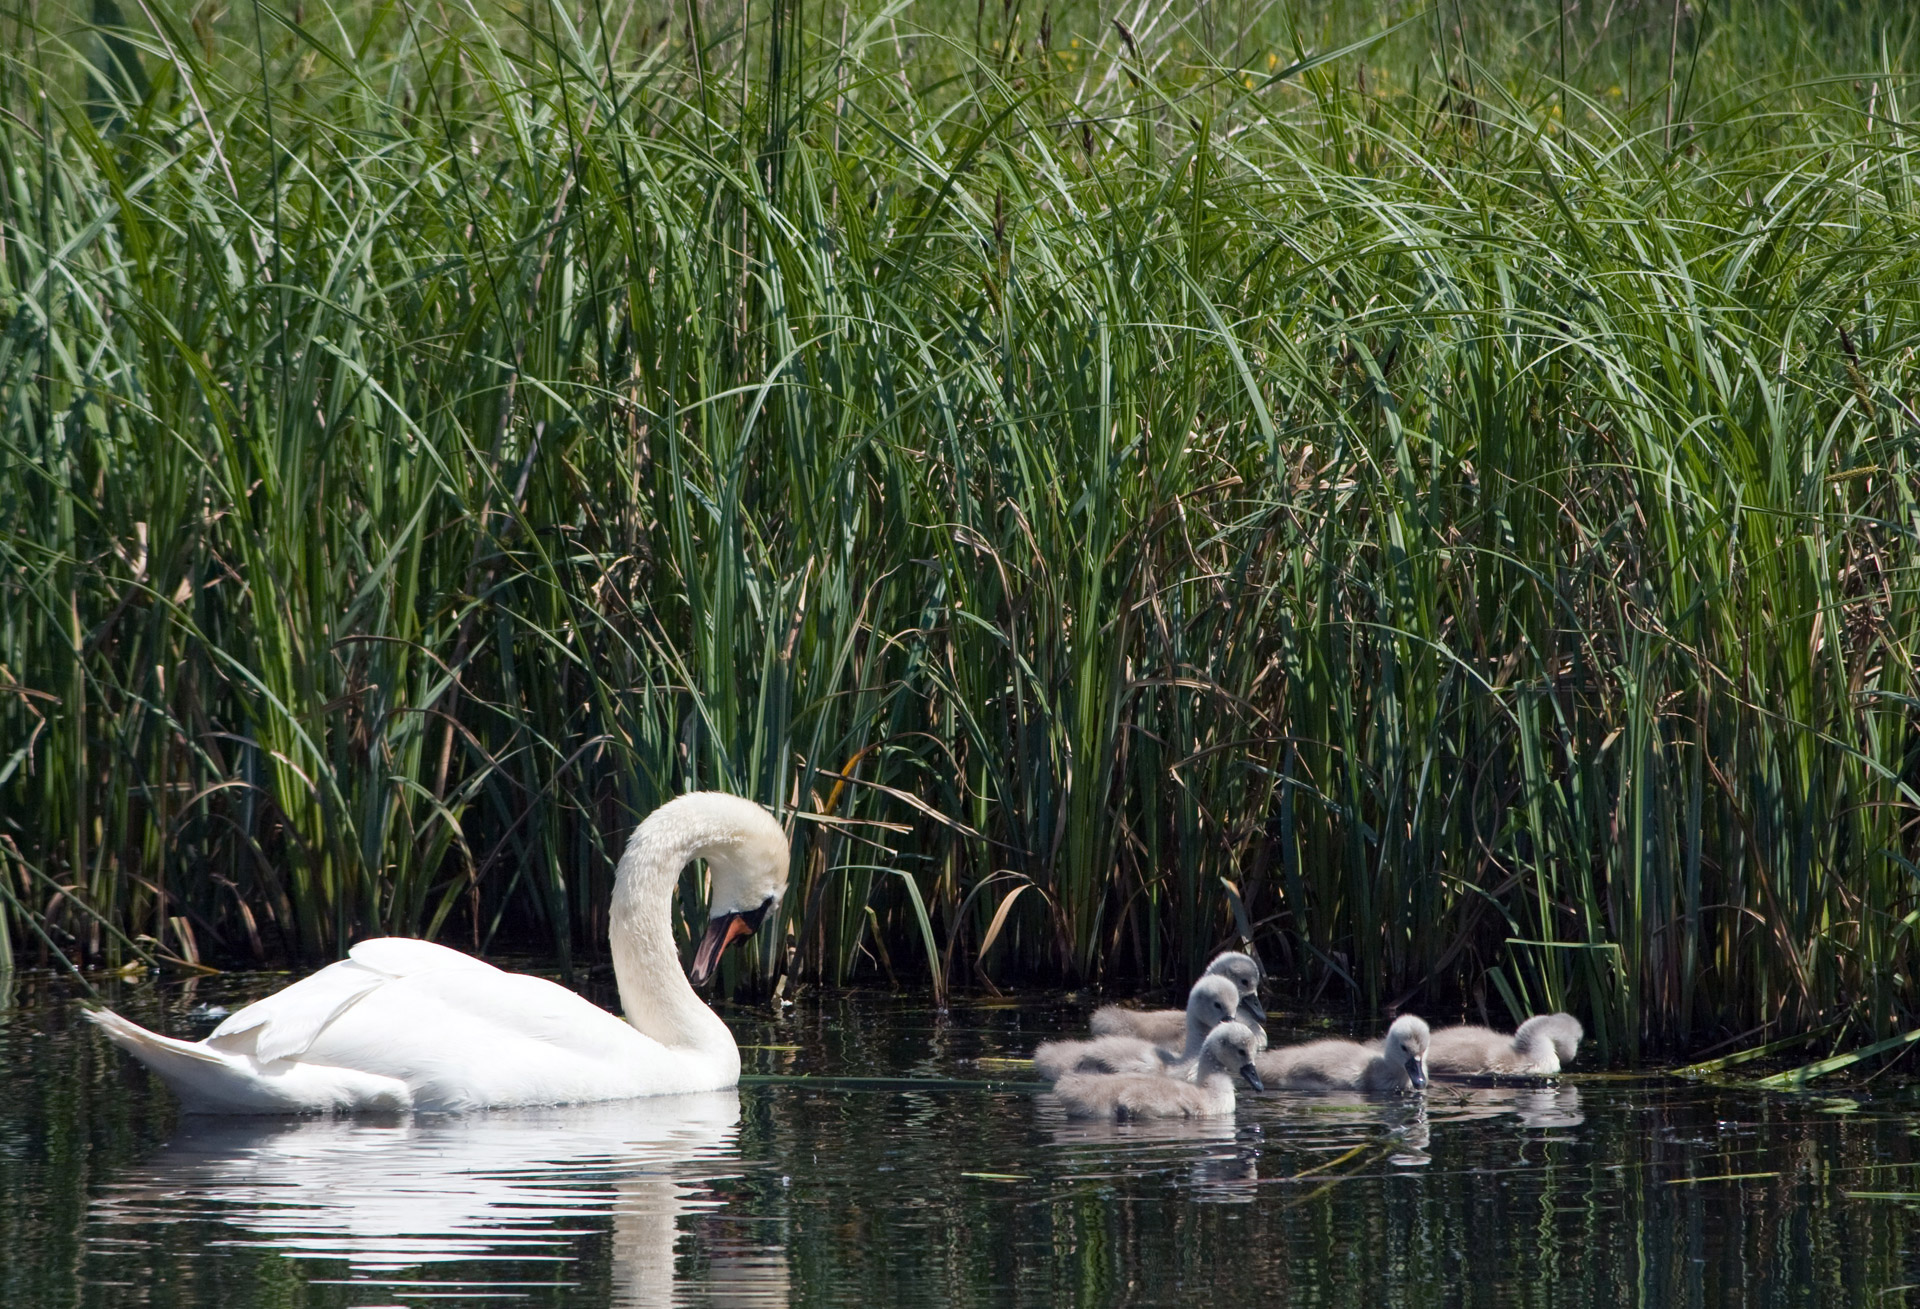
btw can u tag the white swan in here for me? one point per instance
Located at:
(404, 1024)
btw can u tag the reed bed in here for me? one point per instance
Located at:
(1432, 496)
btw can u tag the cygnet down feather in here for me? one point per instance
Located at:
(1164, 1026)
(1228, 1052)
(1399, 1065)
(1212, 1001)
(1545, 1044)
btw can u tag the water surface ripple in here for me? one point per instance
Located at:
(880, 1153)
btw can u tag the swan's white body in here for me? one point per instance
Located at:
(408, 1025)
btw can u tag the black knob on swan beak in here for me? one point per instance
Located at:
(722, 932)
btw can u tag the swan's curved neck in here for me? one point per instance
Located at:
(654, 991)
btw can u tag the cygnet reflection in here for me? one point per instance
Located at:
(1336, 1121)
(1218, 1157)
(1535, 1106)
(1228, 1176)
(393, 1195)
(1076, 1132)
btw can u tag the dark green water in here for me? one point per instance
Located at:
(917, 1191)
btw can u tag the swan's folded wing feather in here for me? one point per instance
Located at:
(535, 1009)
(460, 1039)
(405, 956)
(419, 1022)
(287, 1023)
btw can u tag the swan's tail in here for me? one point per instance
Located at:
(210, 1080)
(198, 1075)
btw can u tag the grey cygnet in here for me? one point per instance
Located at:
(1544, 1045)
(1228, 1052)
(1399, 1065)
(1212, 1001)
(1164, 1026)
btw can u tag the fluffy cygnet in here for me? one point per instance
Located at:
(1400, 1065)
(1544, 1045)
(1228, 1051)
(1164, 1026)
(1212, 1001)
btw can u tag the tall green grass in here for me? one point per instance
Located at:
(1431, 495)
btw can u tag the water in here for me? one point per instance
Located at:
(936, 1181)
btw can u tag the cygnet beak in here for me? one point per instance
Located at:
(1417, 1071)
(1250, 1005)
(722, 932)
(1251, 1076)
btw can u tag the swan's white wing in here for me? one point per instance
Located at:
(287, 1023)
(527, 1008)
(403, 956)
(461, 1038)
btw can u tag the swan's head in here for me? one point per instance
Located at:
(1212, 1001)
(1230, 1048)
(746, 858)
(1406, 1048)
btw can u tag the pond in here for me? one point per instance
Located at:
(880, 1153)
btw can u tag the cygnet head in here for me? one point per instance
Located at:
(1406, 1048)
(746, 852)
(1563, 1030)
(1243, 970)
(1211, 1002)
(1229, 1049)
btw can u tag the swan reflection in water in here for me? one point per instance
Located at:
(394, 1195)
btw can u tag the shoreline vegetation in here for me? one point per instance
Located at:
(1433, 496)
